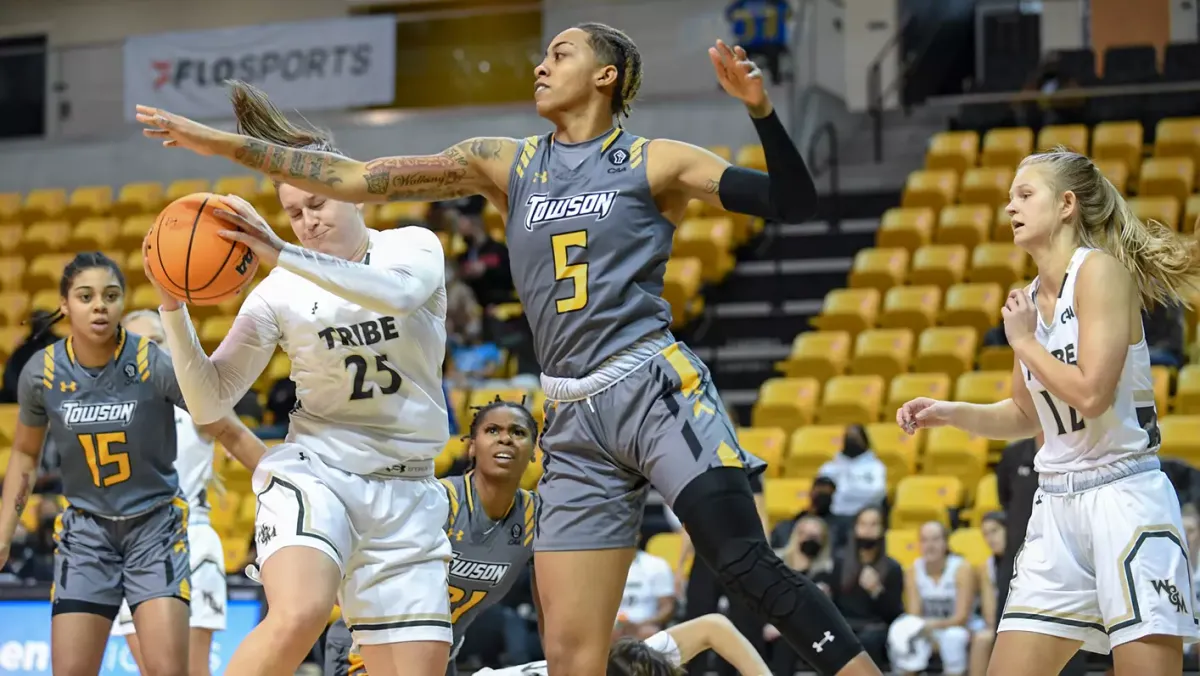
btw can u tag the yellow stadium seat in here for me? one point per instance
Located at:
(986, 185)
(1187, 392)
(533, 472)
(187, 186)
(484, 396)
(907, 228)
(1165, 210)
(1119, 141)
(851, 399)
(12, 271)
(908, 386)
(394, 214)
(668, 547)
(768, 444)
(987, 496)
(711, 241)
(681, 289)
(89, 201)
(882, 352)
(1191, 214)
(235, 554)
(751, 157)
(247, 509)
(974, 305)
(1116, 172)
(135, 272)
(967, 224)
(14, 307)
(950, 451)
(538, 406)
(850, 310)
(1161, 377)
(139, 198)
(248, 187)
(1178, 137)
(143, 297)
(786, 498)
(924, 498)
(983, 387)
(817, 354)
(46, 299)
(213, 331)
(946, 349)
(95, 233)
(910, 307)
(8, 422)
(5, 455)
(879, 268)
(996, 358)
(939, 264)
(10, 206)
(1167, 176)
(133, 230)
(1181, 438)
(998, 263)
(44, 204)
(45, 271)
(812, 446)
(445, 459)
(895, 448)
(970, 544)
(723, 152)
(786, 403)
(1006, 147)
(954, 150)
(1002, 225)
(278, 368)
(933, 189)
(45, 237)
(1073, 136)
(10, 338)
(903, 545)
(10, 237)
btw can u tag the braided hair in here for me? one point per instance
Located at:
(482, 411)
(84, 260)
(614, 48)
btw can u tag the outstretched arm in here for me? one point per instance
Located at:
(716, 632)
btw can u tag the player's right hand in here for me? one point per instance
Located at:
(177, 131)
(168, 303)
(921, 413)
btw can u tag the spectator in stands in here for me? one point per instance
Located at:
(809, 551)
(820, 501)
(861, 480)
(463, 314)
(939, 593)
(870, 593)
(994, 529)
(484, 265)
(39, 337)
(1163, 325)
(649, 600)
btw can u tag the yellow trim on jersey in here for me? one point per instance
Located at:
(611, 138)
(48, 367)
(635, 152)
(530, 515)
(116, 352)
(471, 497)
(689, 377)
(452, 493)
(143, 358)
(1143, 396)
(530, 147)
(1054, 614)
(728, 456)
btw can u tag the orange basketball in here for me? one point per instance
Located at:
(187, 257)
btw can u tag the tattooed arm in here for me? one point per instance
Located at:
(26, 451)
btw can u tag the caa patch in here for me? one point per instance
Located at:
(618, 157)
(130, 371)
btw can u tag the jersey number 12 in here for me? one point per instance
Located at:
(1076, 423)
(575, 272)
(361, 390)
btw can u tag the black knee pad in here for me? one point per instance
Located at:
(718, 510)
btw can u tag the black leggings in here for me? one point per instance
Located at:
(703, 593)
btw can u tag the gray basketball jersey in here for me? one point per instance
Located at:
(114, 429)
(488, 555)
(588, 248)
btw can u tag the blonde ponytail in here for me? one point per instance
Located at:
(259, 118)
(1165, 264)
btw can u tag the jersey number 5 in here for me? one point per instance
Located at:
(1076, 423)
(97, 449)
(576, 272)
(461, 603)
(360, 389)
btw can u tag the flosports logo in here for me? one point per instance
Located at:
(543, 209)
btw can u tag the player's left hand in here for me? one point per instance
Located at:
(1020, 316)
(253, 230)
(740, 77)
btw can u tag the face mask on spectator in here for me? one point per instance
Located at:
(821, 503)
(868, 543)
(810, 547)
(852, 447)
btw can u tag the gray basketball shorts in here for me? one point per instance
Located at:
(662, 425)
(99, 561)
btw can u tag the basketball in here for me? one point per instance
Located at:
(187, 257)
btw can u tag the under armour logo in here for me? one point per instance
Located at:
(819, 646)
(302, 455)
(68, 387)
(314, 310)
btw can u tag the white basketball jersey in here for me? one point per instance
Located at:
(938, 596)
(194, 463)
(368, 387)
(1129, 427)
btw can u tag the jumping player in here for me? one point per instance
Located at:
(1104, 564)
(350, 501)
(106, 397)
(490, 526)
(193, 463)
(590, 212)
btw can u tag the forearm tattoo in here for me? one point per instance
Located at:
(23, 494)
(291, 164)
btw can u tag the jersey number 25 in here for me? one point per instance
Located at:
(363, 390)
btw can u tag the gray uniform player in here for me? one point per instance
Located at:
(489, 557)
(125, 532)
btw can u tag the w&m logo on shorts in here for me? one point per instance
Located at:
(1165, 587)
(544, 209)
(75, 413)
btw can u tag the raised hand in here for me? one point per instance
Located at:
(740, 77)
(177, 131)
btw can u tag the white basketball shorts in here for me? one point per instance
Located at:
(387, 535)
(1104, 560)
(207, 581)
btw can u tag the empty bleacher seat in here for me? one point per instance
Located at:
(922, 498)
(1136, 64)
(10, 206)
(954, 150)
(139, 198)
(43, 204)
(95, 233)
(903, 545)
(681, 286)
(213, 331)
(769, 444)
(88, 201)
(1072, 136)
(1181, 438)
(1002, 226)
(668, 547)
(895, 448)
(812, 446)
(786, 403)
(882, 352)
(786, 498)
(1160, 376)
(133, 231)
(143, 297)
(1178, 137)
(1119, 141)
(946, 349)
(950, 451)
(1187, 392)
(1167, 176)
(711, 241)
(850, 310)
(1163, 209)
(12, 271)
(910, 228)
(879, 268)
(986, 185)
(1006, 147)
(1191, 213)
(996, 358)
(393, 214)
(997, 262)
(974, 305)
(933, 189)
(817, 354)
(851, 399)
(185, 187)
(751, 156)
(908, 386)
(46, 237)
(45, 271)
(1116, 171)
(940, 264)
(966, 224)
(911, 307)
(970, 544)
(14, 307)
(983, 387)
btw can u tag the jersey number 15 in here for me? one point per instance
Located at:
(361, 390)
(97, 450)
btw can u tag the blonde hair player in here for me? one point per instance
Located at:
(193, 463)
(348, 506)
(590, 219)
(1104, 565)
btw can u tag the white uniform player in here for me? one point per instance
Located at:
(193, 462)
(939, 599)
(662, 642)
(355, 477)
(1104, 559)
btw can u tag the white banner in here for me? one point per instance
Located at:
(310, 65)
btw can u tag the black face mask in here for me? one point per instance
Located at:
(821, 503)
(810, 548)
(851, 448)
(868, 543)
